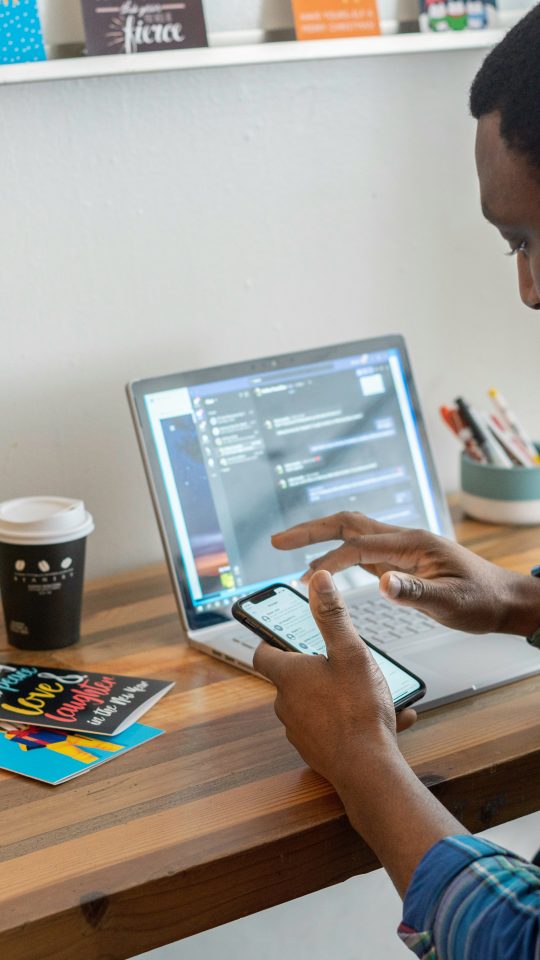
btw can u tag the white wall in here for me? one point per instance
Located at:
(158, 223)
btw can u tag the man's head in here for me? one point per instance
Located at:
(505, 99)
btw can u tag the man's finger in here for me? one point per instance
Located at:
(341, 558)
(396, 549)
(332, 618)
(270, 662)
(359, 552)
(405, 719)
(338, 526)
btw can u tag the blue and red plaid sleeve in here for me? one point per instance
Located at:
(472, 900)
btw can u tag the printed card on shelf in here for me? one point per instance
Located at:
(441, 16)
(21, 38)
(329, 19)
(133, 27)
(106, 704)
(55, 756)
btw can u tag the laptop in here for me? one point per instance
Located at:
(235, 453)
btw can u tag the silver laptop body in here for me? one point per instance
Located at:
(237, 452)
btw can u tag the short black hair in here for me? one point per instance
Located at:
(509, 82)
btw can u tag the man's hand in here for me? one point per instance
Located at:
(339, 710)
(418, 569)
(339, 715)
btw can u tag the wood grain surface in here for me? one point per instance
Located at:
(220, 818)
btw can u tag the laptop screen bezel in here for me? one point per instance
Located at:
(139, 389)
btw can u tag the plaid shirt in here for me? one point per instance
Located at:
(472, 900)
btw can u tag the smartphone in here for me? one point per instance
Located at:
(282, 616)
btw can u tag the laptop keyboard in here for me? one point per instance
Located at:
(384, 624)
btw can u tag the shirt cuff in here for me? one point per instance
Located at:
(433, 875)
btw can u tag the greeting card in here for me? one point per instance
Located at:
(76, 701)
(329, 19)
(132, 27)
(55, 756)
(21, 38)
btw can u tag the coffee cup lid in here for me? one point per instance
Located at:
(37, 520)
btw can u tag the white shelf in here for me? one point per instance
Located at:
(244, 54)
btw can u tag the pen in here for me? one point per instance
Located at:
(509, 418)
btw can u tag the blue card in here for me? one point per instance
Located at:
(57, 755)
(21, 38)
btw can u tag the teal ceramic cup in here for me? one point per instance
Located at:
(500, 494)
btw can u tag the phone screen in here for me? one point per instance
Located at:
(287, 615)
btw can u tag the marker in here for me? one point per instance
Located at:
(446, 414)
(498, 452)
(453, 420)
(510, 442)
(477, 431)
(508, 417)
(465, 435)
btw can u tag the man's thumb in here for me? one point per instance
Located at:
(404, 588)
(331, 615)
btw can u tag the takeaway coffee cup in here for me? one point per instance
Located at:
(42, 548)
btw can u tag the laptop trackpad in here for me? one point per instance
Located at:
(466, 663)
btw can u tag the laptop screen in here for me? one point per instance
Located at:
(236, 454)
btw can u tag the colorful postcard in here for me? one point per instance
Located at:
(105, 704)
(329, 19)
(134, 27)
(53, 756)
(21, 38)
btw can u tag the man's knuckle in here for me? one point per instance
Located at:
(415, 588)
(428, 544)
(330, 608)
(358, 541)
(345, 519)
(422, 538)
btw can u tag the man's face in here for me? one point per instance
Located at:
(510, 195)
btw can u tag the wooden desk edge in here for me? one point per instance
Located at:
(179, 903)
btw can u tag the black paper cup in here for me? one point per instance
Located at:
(42, 551)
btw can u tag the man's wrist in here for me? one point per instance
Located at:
(522, 606)
(377, 760)
(393, 811)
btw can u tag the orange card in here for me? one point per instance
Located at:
(328, 19)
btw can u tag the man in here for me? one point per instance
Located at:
(464, 899)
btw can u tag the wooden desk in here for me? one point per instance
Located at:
(220, 818)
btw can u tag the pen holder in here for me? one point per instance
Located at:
(500, 494)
